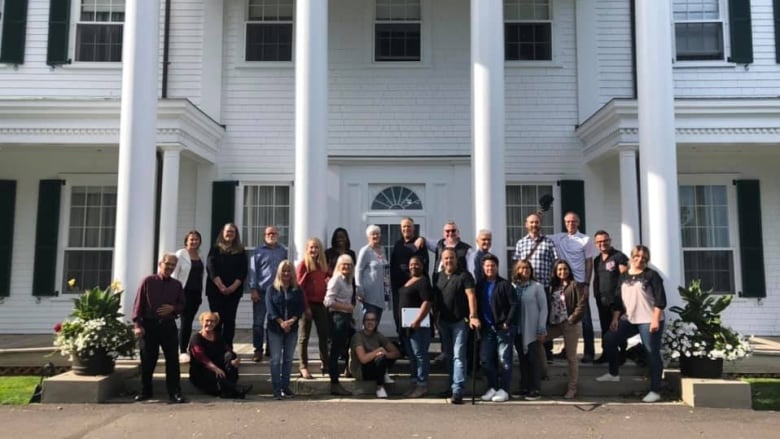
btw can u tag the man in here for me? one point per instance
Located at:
(403, 250)
(496, 299)
(456, 312)
(372, 354)
(474, 256)
(262, 271)
(158, 301)
(451, 239)
(607, 267)
(575, 248)
(540, 251)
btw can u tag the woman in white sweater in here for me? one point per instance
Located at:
(192, 274)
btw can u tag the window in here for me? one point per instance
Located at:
(99, 30)
(265, 205)
(521, 201)
(698, 29)
(397, 198)
(269, 30)
(90, 236)
(528, 30)
(397, 30)
(708, 252)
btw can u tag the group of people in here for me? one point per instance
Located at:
(464, 299)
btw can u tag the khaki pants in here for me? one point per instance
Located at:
(571, 336)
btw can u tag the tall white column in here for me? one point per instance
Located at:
(169, 200)
(629, 201)
(657, 145)
(134, 239)
(311, 121)
(487, 116)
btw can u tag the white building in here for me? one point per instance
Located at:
(314, 114)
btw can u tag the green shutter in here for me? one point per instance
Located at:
(751, 240)
(223, 206)
(14, 32)
(776, 6)
(59, 26)
(47, 229)
(573, 200)
(7, 208)
(741, 32)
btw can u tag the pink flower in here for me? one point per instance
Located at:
(58, 327)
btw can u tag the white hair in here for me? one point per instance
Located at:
(373, 228)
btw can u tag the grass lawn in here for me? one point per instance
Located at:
(17, 389)
(766, 393)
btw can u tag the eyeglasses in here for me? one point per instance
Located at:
(271, 233)
(369, 320)
(450, 230)
(605, 241)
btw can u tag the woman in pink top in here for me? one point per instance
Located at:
(312, 275)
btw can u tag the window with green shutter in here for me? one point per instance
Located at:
(59, 27)
(223, 206)
(776, 6)
(741, 30)
(7, 210)
(751, 238)
(14, 31)
(47, 227)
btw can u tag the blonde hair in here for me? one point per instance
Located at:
(320, 263)
(232, 248)
(278, 283)
(346, 259)
(213, 315)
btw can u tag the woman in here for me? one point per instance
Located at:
(284, 304)
(417, 293)
(312, 276)
(191, 273)
(638, 308)
(531, 324)
(567, 308)
(214, 365)
(372, 274)
(374, 353)
(338, 300)
(227, 269)
(339, 245)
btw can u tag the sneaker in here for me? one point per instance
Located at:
(608, 378)
(600, 360)
(500, 396)
(533, 396)
(337, 389)
(560, 355)
(651, 397)
(587, 358)
(389, 380)
(489, 394)
(278, 396)
(184, 358)
(521, 393)
(419, 391)
(457, 399)
(381, 392)
(287, 393)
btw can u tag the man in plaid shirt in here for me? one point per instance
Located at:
(544, 256)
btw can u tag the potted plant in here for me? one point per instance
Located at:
(698, 339)
(95, 335)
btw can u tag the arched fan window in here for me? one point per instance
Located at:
(396, 198)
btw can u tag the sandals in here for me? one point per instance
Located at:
(305, 374)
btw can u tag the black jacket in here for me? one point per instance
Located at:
(502, 304)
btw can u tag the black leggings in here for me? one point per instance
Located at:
(192, 302)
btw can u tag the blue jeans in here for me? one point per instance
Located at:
(650, 340)
(497, 347)
(282, 347)
(258, 320)
(416, 342)
(453, 341)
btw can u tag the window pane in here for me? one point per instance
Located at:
(397, 42)
(528, 41)
(714, 268)
(99, 43)
(696, 10)
(699, 41)
(397, 10)
(90, 268)
(263, 206)
(526, 10)
(269, 42)
(521, 201)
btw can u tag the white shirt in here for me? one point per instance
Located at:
(575, 249)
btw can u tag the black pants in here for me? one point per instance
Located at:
(226, 306)
(159, 333)
(530, 365)
(340, 329)
(375, 370)
(192, 302)
(207, 381)
(605, 318)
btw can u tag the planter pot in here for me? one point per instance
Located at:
(98, 364)
(701, 367)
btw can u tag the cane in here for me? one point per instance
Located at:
(474, 359)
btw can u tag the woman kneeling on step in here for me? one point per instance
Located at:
(372, 354)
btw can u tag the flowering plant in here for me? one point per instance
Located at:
(96, 325)
(699, 332)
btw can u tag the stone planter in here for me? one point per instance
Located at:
(98, 364)
(701, 367)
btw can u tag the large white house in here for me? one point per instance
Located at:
(125, 123)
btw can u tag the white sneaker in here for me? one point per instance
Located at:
(389, 380)
(500, 396)
(651, 397)
(184, 358)
(489, 394)
(381, 392)
(608, 378)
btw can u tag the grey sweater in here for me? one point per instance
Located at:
(369, 276)
(531, 320)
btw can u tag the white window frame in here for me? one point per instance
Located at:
(724, 20)
(731, 200)
(71, 181)
(552, 213)
(553, 37)
(425, 39)
(240, 201)
(262, 63)
(73, 38)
